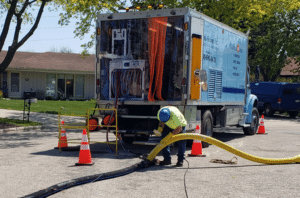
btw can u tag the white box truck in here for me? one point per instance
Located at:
(149, 59)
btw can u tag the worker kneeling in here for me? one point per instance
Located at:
(171, 120)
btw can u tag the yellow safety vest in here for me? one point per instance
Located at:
(176, 117)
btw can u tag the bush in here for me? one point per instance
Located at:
(49, 98)
(40, 94)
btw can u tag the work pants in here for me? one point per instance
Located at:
(181, 145)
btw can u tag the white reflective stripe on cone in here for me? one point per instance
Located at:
(84, 138)
(197, 141)
(63, 134)
(85, 147)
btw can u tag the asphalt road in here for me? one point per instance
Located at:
(30, 163)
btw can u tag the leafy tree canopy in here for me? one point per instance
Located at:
(239, 14)
(86, 12)
(272, 42)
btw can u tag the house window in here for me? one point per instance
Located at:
(50, 85)
(79, 86)
(15, 82)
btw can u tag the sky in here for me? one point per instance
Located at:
(48, 36)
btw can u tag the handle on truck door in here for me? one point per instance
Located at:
(197, 73)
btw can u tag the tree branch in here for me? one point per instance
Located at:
(31, 2)
(31, 31)
(23, 9)
(9, 16)
(13, 48)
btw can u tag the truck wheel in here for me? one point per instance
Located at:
(207, 126)
(254, 123)
(269, 110)
(293, 114)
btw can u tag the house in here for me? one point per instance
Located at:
(291, 72)
(50, 75)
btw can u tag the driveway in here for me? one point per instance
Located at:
(30, 163)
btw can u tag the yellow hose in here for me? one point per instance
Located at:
(169, 139)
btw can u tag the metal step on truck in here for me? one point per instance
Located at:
(149, 59)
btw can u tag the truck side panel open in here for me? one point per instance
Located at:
(142, 59)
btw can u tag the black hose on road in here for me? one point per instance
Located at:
(87, 179)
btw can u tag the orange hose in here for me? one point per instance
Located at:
(156, 41)
(161, 56)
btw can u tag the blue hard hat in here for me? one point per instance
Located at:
(164, 115)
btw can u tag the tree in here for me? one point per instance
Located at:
(239, 14)
(242, 15)
(86, 11)
(273, 41)
(17, 12)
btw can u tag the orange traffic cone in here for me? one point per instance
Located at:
(84, 153)
(62, 142)
(197, 146)
(261, 128)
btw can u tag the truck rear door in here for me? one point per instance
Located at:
(196, 57)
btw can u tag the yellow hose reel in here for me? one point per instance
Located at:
(170, 138)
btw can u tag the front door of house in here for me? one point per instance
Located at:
(65, 86)
(15, 90)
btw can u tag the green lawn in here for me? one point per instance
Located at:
(51, 106)
(18, 122)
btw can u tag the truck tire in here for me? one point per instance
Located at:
(269, 110)
(293, 114)
(254, 123)
(207, 126)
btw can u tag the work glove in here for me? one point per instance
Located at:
(157, 133)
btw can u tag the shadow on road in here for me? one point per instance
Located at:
(127, 151)
(282, 117)
(228, 133)
(21, 139)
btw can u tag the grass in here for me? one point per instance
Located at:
(18, 122)
(51, 106)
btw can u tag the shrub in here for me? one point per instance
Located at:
(1, 95)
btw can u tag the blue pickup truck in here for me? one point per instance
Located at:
(277, 96)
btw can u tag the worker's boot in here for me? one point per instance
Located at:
(165, 162)
(179, 164)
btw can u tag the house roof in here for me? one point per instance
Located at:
(50, 61)
(289, 69)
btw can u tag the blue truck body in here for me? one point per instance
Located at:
(225, 59)
(277, 96)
